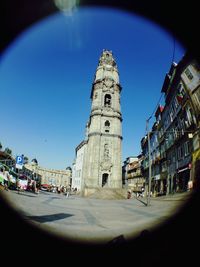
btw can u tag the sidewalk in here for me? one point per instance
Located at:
(94, 220)
(175, 197)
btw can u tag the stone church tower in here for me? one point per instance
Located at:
(103, 163)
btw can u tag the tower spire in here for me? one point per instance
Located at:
(107, 58)
(106, 71)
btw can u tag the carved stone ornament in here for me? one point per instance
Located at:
(108, 109)
(98, 85)
(95, 95)
(108, 83)
(116, 88)
(106, 165)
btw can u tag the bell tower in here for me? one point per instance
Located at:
(103, 163)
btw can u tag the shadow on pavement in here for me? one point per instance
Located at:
(142, 201)
(23, 193)
(49, 218)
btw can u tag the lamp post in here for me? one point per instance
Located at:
(34, 163)
(149, 155)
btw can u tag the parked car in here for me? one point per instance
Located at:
(44, 187)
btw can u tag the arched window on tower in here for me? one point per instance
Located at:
(107, 100)
(107, 126)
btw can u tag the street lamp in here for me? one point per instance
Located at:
(149, 154)
(34, 163)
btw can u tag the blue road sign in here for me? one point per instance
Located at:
(19, 160)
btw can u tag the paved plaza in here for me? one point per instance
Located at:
(93, 220)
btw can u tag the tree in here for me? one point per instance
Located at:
(0, 146)
(25, 159)
(8, 151)
(34, 162)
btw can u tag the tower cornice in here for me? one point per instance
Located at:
(106, 115)
(105, 134)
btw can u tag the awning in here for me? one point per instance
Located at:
(182, 170)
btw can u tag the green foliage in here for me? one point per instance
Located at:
(25, 159)
(8, 151)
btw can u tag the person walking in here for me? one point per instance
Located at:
(68, 191)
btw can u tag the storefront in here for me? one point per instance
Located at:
(195, 177)
(183, 177)
(155, 185)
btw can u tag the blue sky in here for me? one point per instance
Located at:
(46, 76)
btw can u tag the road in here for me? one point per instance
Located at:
(93, 220)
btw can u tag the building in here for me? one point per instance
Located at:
(50, 176)
(132, 175)
(77, 170)
(125, 169)
(7, 159)
(179, 123)
(190, 78)
(158, 182)
(174, 138)
(103, 163)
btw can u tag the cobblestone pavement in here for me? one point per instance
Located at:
(93, 220)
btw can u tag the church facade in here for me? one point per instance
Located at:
(102, 166)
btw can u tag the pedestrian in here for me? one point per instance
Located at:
(129, 194)
(34, 187)
(68, 191)
(37, 187)
(18, 185)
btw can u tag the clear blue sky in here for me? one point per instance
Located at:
(46, 77)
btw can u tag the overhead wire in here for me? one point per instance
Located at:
(159, 100)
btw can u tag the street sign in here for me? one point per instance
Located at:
(19, 162)
(19, 159)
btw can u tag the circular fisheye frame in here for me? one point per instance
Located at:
(131, 97)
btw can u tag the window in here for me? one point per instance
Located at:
(107, 126)
(187, 148)
(182, 123)
(197, 96)
(180, 152)
(175, 103)
(189, 115)
(181, 90)
(107, 100)
(107, 123)
(171, 114)
(188, 74)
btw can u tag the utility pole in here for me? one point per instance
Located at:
(149, 154)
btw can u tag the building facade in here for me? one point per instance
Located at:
(77, 169)
(125, 169)
(132, 175)
(103, 164)
(50, 176)
(174, 137)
